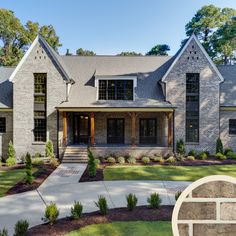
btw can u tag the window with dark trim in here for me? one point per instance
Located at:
(147, 131)
(115, 130)
(192, 107)
(232, 126)
(2, 125)
(40, 121)
(115, 90)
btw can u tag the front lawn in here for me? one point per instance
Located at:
(160, 172)
(132, 228)
(9, 178)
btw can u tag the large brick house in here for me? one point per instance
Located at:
(140, 104)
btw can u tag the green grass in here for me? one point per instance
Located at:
(158, 172)
(132, 228)
(9, 178)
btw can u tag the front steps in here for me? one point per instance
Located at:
(75, 154)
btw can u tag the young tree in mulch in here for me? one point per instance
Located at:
(92, 169)
(28, 169)
(11, 160)
(49, 151)
(219, 146)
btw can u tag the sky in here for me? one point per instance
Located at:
(112, 26)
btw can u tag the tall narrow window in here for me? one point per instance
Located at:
(2, 125)
(192, 107)
(40, 122)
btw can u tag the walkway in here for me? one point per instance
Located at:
(62, 187)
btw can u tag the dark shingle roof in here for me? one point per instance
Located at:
(228, 87)
(6, 89)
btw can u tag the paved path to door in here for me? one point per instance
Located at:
(63, 188)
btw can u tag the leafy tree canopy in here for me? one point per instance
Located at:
(159, 49)
(15, 38)
(84, 52)
(130, 54)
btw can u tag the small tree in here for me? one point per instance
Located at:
(28, 169)
(21, 228)
(3, 232)
(11, 160)
(219, 146)
(51, 213)
(180, 147)
(49, 151)
(92, 169)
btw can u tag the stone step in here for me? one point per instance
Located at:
(76, 154)
(74, 161)
(75, 158)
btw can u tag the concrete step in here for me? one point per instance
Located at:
(75, 158)
(75, 154)
(74, 161)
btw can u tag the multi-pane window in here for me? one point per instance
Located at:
(192, 107)
(232, 126)
(40, 122)
(115, 90)
(2, 125)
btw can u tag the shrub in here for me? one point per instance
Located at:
(192, 153)
(190, 158)
(131, 160)
(158, 159)
(11, 160)
(177, 195)
(102, 205)
(37, 155)
(231, 155)
(219, 146)
(49, 149)
(54, 162)
(207, 153)
(111, 160)
(203, 156)
(37, 161)
(51, 213)
(228, 150)
(145, 160)
(121, 160)
(179, 157)
(76, 210)
(170, 159)
(3, 232)
(21, 228)
(28, 169)
(221, 156)
(131, 201)
(92, 169)
(180, 147)
(97, 162)
(154, 200)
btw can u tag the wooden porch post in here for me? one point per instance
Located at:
(170, 132)
(64, 128)
(92, 126)
(133, 129)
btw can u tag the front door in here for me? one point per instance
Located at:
(147, 131)
(83, 129)
(115, 131)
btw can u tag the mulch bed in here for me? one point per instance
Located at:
(210, 161)
(141, 213)
(39, 176)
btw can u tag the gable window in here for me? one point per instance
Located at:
(115, 90)
(2, 125)
(40, 122)
(192, 107)
(232, 126)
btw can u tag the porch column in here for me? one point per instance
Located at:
(92, 126)
(170, 132)
(133, 129)
(64, 128)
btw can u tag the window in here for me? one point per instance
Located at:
(192, 107)
(147, 131)
(2, 125)
(232, 126)
(115, 130)
(115, 90)
(40, 123)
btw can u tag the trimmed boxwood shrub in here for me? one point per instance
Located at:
(131, 160)
(190, 158)
(202, 155)
(180, 147)
(154, 201)
(170, 159)
(192, 153)
(158, 159)
(121, 160)
(231, 155)
(228, 150)
(145, 160)
(111, 160)
(221, 156)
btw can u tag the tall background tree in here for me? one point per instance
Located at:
(159, 49)
(15, 38)
(84, 52)
(215, 28)
(130, 54)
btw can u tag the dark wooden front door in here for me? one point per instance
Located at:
(147, 131)
(115, 131)
(81, 129)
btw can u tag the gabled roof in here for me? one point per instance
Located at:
(56, 57)
(180, 52)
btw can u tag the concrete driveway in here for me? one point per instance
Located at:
(63, 188)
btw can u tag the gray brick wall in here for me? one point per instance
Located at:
(209, 96)
(38, 61)
(6, 137)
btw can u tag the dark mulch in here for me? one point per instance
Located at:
(141, 213)
(39, 176)
(99, 176)
(16, 167)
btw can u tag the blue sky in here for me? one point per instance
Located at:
(112, 26)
